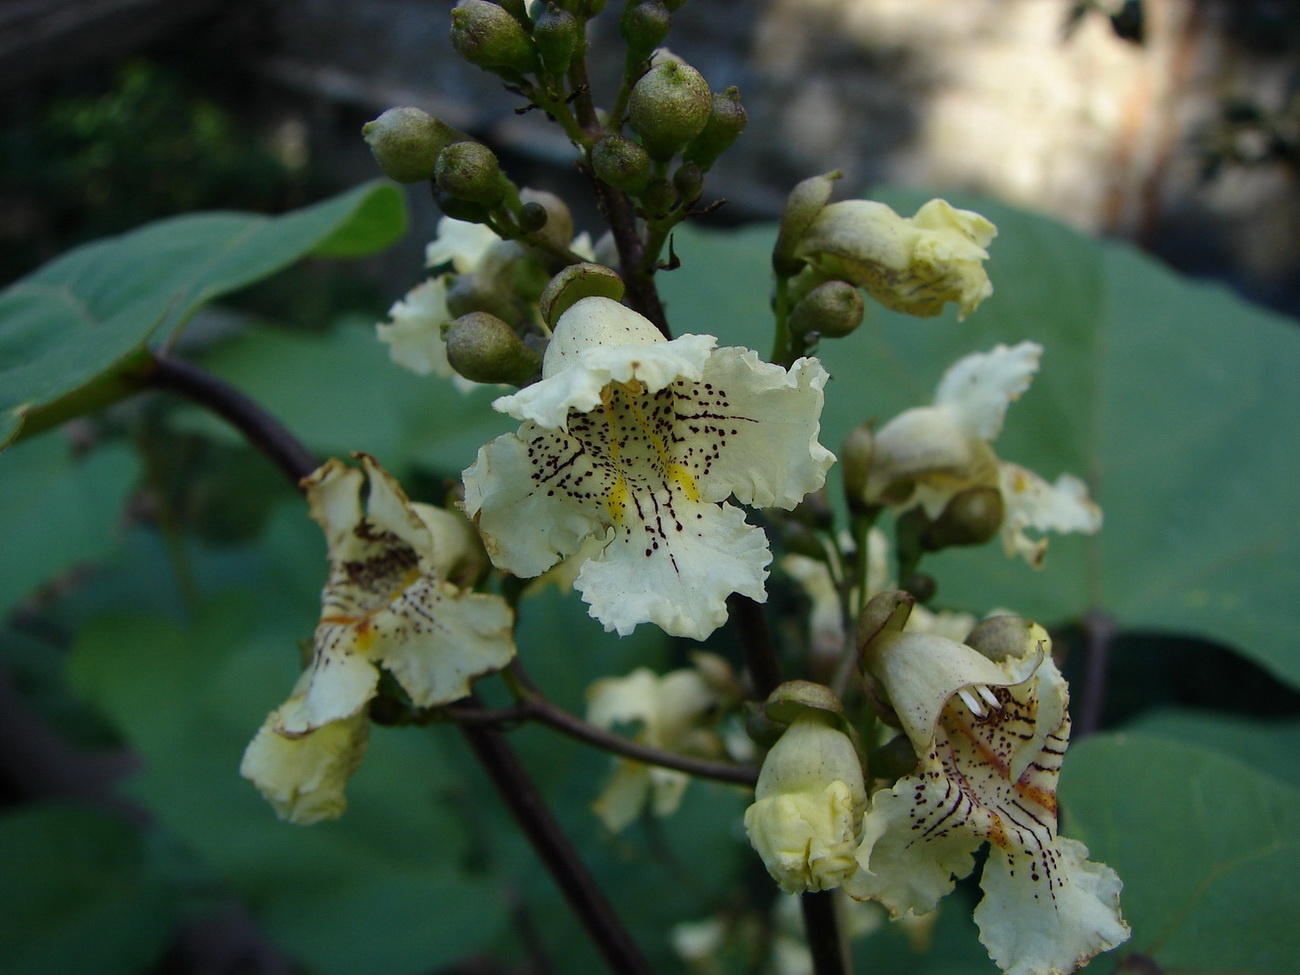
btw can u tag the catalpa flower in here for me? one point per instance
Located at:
(930, 454)
(414, 336)
(637, 441)
(988, 722)
(389, 603)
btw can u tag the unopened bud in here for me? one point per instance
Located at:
(406, 142)
(802, 206)
(483, 348)
(644, 26)
(885, 612)
(688, 181)
(621, 163)
(557, 228)
(575, 282)
(532, 217)
(457, 208)
(855, 466)
(972, 517)
(470, 171)
(556, 33)
(795, 698)
(659, 197)
(487, 35)
(832, 309)
(726, 121)
(669, 107)
(470, 293)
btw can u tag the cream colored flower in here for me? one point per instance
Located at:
(389, 604)
(638, 441)
(414, 336)
(672, 711)
(988, 721)
(809, 797)
(910, 264)
(461, 244)
(930, 454)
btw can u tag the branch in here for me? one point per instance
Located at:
(825, 942)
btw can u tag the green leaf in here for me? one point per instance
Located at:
(1208, 849)
(1266, 746)
(79, 894)
(72, 332)
(1176, 400)
(385, 888)
(59, 511)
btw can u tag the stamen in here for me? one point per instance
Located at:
(989, 696)
(971, 703)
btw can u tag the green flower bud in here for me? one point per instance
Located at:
(1003, 637)
(532, 217)
(803, 205)
(644, 26)
(855, 466)
(972, 517)
(406, 142)
(795, 698)
(556, 34)
(575, 282)
(483, 348)
(458, 209)
(621, 163)
(885, 613)
(469, 293)
(487, 35)
(689, 182)
(470, 171)
(832, 310)
(669, 107)
(659, 197)
(557, 228)
(727, 120)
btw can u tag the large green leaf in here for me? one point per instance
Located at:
(1266, 746)
(1208, 850)
(1177, 400)
(71, 332)
(79, 894)
(383, 889)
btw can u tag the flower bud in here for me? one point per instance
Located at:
(483, 348)
(808, 198)
(406, 142)
(575, 282)
(855, 467)
(669, 107)
(972, 517)
(832, 310)
(644, 26)
(458, 209)
(485, 34)
(470, 171)
(476, 292)
(621, 163)
(807, 805)
(659, 197)
(532, 217)
(688, 181)
(556, 34)
(557, 227)
(726, 121)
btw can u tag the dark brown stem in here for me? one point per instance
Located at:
(535, 819)
(259, 428)
(1099, 631)
(543, 711)
(825, 943)
(756, 641)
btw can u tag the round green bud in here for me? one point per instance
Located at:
(556, 34)
(644, 26)
(469, 293)
(805, 202)
(483, 348)
(727, 120)
(485, 34)
(688, 181)
(406, 141)
(972, 517)
(659, 197)
(532, 217)
(458, 209)
(669, 107)
(885, 612)
(1000, 637)
(575, 282)
(557, 229)
(795, 698)
(621, 163)
(470, 171)
(833, 309)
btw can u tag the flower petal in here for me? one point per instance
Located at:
(304, 777)
(624, 795)
(674, 563)
(340, 680)
(749, 428)
(414, 337)
(461, 243)
(1031, 502)
(981, 386)
(523, 492)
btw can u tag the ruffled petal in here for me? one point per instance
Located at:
(535, 497)
(749, 428)
(624, 795)
(461, 243)
(340, 680)
(806, 838)
(1048, 911)
(674, 562)
(1031, 502)
(981, 386)
(414, 336)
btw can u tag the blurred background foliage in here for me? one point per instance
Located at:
(157, 580)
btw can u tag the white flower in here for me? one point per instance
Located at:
(388, 602)
(809, 797)
(638, 441)
(988, 721)
(461, 244)
(672, 711)
(910, 264)
(414, 337)
(929, 454)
